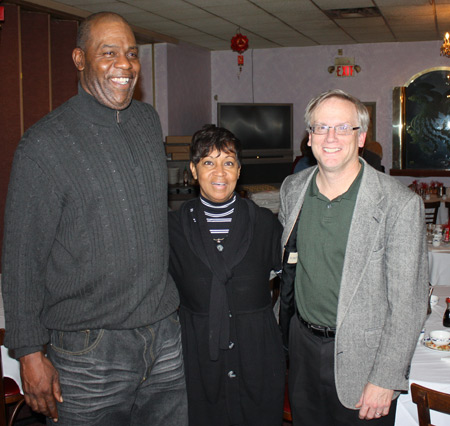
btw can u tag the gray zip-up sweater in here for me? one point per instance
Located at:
(86, 240)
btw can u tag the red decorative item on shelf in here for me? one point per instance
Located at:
(239, 44)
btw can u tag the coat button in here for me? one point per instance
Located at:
(231, 374)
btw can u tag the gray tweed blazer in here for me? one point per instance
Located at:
(383, 294)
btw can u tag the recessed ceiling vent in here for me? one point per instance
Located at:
(359, 12)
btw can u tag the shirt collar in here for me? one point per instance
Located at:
(94, 112)
(350, 194)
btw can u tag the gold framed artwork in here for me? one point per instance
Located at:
(371, 131)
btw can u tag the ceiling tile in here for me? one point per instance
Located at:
(348, 4)
(272, 23)
(302, 17)
(286, 6)
(80, 3)
(211, 3)
(112, 6)
(402, 3)
(362, 23)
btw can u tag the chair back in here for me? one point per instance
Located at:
(447, 205)
(427, 399)
(431, 211)
(2, 386)
(10, 395)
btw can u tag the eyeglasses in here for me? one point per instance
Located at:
(342, 129)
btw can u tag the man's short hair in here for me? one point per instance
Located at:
(210, 138)
(361, 110)
(84, 30)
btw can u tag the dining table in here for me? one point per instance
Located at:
(429, 367)
(11, 367)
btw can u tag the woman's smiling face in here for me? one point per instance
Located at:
(217, 175)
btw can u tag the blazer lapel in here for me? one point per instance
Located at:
(294, 195)
(367, 218)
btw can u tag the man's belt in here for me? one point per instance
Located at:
(318, 330)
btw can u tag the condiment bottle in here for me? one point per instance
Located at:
(185, 177)
(447, 234)
(446, 321)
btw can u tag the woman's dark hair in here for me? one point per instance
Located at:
(211, 138)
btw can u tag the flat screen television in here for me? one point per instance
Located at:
(265, 130)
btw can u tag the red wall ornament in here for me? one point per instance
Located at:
(239, 44)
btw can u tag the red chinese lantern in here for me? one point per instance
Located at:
(239, 44)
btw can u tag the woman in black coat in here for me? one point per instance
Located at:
(223, 248)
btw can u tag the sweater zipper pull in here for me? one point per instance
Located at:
(117, 117)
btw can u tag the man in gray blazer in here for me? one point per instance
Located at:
(355, 285)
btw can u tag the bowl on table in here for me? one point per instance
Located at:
(440, 337)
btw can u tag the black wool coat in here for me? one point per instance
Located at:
(245, 385)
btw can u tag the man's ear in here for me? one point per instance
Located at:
(78, 58)
(362, 139)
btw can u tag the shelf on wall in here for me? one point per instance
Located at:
(420, 172)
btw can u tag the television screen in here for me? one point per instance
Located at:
(263, 129)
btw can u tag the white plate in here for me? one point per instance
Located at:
(430, 345)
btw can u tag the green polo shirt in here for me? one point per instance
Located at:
(321, 242)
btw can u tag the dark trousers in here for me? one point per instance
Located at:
(312, 389)
(121, 377)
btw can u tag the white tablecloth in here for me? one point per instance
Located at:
(268, 199)
(428, 369)
(11, 367)
(439, 264)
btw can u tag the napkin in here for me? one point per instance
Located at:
(446, 359)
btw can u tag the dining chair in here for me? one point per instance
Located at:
(427, 399)
(287, 415)
(431, 211)
(9, 393)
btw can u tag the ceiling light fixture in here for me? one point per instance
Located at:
(445, 48)
(349, 13)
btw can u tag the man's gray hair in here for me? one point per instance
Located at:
(361, 110)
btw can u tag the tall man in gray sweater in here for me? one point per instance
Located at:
(86, 250)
